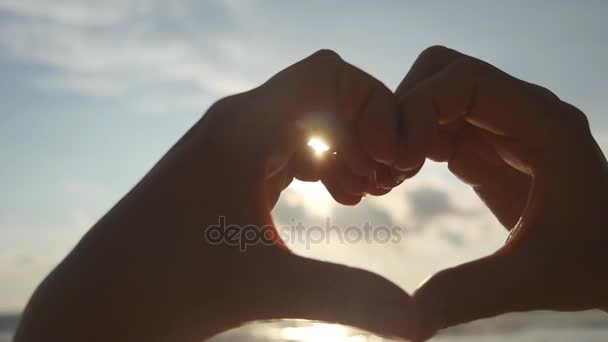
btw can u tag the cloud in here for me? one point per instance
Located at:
(96, 85)
(442, 220)
(68, 12)
(429, 203)
(285, 213)
(130, 50)
(428, 209)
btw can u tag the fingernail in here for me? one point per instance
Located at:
(398, 177)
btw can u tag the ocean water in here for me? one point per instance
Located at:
(588, 326)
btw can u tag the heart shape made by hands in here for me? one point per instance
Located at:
(491, 129)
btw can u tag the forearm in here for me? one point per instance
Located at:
(114, 284)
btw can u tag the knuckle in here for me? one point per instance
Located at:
(543, 92)
(226, 108)
(227, 102)
(219, 106)
(576, 118)
(435, 50)
(473, 66)
(437, 57)
(456, 168)
(325, 53)
(453, 167)
(323, 62)
(435, 283)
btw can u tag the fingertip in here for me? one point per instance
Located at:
(306, 166)
(418, 131)
(354, 155)
(374, 190)
(384, 177)
(350, 182)
(377, 126)
(333, 184)
(340, 195)
(399, 176)
(442, 148)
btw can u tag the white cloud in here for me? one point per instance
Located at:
(69, 12)
(443, 223)
(79, 83)
(122, 49)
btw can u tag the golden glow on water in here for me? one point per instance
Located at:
(318, 145)
(320, 332)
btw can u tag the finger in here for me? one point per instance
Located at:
(311, 167)
(306, 165)
(418, 128)
(419, 131)
(472, 158)
(275, 186)
(321, 291)
(429, 62)
(487, 98)
(377, 126)
(374, 188)
(476, 163)
(371, 107)
(322, 95)
(354, 155)
(509, 206)
(496, 284)
(384, 177)
(333, 180)
(400, 176)
(296, 104)
(442, 147)
(349, 182)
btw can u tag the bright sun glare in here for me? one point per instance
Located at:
(320, 332)
(313, 195)
(318, 145)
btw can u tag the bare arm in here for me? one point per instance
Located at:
(145, 270)
(532, 159)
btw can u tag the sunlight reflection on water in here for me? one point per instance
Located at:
(321, 333)
(588, 326)
(296, 331)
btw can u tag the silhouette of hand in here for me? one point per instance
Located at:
(532, 159)
(528, 155)
(149, 270)
(255, 143)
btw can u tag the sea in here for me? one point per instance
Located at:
(587, 326)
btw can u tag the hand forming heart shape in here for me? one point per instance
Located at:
(529, 156)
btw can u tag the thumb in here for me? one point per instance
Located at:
(323, 291)
(486, 287)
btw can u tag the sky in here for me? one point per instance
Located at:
(93, 93)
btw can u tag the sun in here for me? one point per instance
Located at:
(311, 195)
(318, 145)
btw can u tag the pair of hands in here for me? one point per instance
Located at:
(529, 156)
